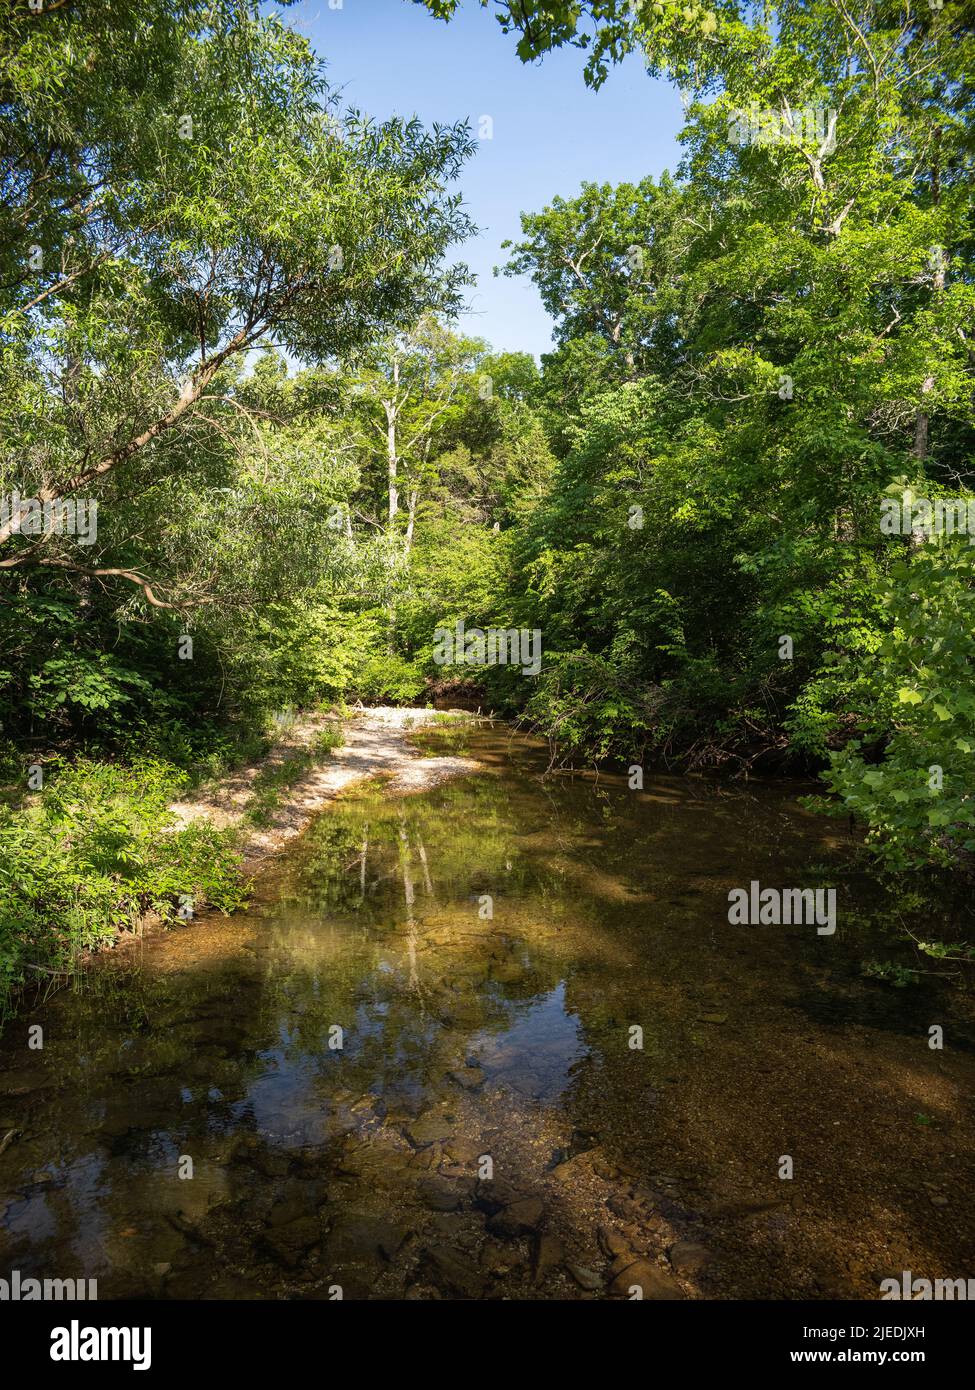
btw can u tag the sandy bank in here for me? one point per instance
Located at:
(376, 744)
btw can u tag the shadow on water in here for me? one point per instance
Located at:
(436, 988)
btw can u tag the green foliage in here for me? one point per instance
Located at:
(387, 678)
(592, 708)
(94, 852)
(327, 740)
(890, 972)
(908, 772)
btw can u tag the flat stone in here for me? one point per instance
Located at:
(519, 1219)
(689, 1258)
(428, 1129)
(289, 1243)
(452, 1271)
(439, 1194)
(654, 1282)
(495, 1193)
(469, 1077)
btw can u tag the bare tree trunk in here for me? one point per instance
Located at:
(412, 518)
(392, 462)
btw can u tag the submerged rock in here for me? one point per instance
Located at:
(452, 1271)
(464, 1152)
(611, 1242)
(689, 1258)
(654, 1282)
(365, 1239)
(290, 1242)
(587, 1279)
(428, 1129)
(439, 1194)
(498, 1259)
(469, 1077)
(547, 1254)
(521, 1218)
(492, 1194)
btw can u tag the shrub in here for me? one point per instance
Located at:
(95, 851)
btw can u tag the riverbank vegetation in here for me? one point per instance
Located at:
(228, 323)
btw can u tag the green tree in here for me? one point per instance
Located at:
(235, 207)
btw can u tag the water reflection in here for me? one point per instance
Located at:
(429, 982)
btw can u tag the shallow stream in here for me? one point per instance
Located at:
(528, 977)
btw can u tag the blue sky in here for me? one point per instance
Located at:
(391, 57)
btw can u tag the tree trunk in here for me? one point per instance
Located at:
(411, 514)
(391, 462)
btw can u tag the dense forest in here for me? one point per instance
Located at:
(250, 465)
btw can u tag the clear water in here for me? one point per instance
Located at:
(213, 1050)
